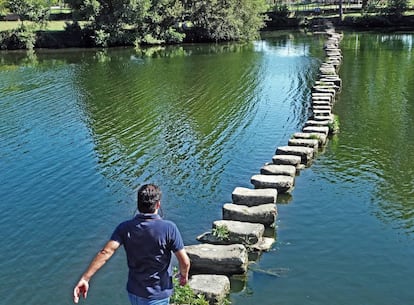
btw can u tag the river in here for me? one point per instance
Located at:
(80, 130)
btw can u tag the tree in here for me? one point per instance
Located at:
(219, 20)
(32, 10)
(397, 8)
(36, 11)
(160, 21)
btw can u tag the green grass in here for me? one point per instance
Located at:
(51, 25)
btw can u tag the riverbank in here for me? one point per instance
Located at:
(77, 37)
(360, 23)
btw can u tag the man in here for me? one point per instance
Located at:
(148, 241)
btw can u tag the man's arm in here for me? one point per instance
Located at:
(100, 259)
(184, 265)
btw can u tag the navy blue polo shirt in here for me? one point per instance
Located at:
(148, 241)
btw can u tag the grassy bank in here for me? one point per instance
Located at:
(54, 25)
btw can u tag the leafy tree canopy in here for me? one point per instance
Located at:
(169, 21)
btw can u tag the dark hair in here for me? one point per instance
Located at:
(147, 197)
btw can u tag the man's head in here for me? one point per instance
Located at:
(148, 198)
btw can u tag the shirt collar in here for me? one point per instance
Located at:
(146, 216)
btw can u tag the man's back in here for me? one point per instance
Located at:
(149, 241)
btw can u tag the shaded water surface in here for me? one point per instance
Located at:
(80, 130)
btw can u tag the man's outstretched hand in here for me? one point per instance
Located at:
(80, 289)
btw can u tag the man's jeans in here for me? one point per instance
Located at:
(135, 300)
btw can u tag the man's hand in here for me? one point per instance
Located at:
(80, 289)
(183, 279)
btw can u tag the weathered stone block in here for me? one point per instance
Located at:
(318, 123)
(245, 233)
(308, 135)
(283, 184)
(213, 287)
(217, 259)
(287, 159)
(323, 118)
(281, 169)
(322, 107)
(312, 143)
(318, 129)
(264, 213)
(253, 197)
(264, 244)
(305, 153)
(322, 113)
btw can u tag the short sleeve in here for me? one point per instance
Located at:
(176, 241)
(117, 235)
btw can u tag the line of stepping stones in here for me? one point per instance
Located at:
(224, 251)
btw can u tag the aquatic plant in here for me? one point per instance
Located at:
(221, 232)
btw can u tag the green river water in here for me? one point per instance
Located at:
(80, 130)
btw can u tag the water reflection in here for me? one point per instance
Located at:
(378, 110)
(173, 114)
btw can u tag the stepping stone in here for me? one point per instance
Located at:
(323, 90)
(287, 160)
(312, 143)
(322, 107)
(325, 83)
(281, 169)
(323, 103)
(264, 213)
(253, 197)
(283, 184)
(333, 52)
(329, 71)
(329, 118)
(305, 153)
(245, 233)
(322, 94)
(334, 79)
(322, 112)
(318, 123)
(318, 129)
(264, 244)
(320, 136)
(217, 259)
(213, 287)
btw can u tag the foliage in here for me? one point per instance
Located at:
(280, 10)
(220, 20)
(33, 10)
(397, 8)
(334, 126)
(221, 232)
(185, 295)
(171, 21)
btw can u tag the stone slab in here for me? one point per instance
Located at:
(318, 123)
(264, 213)
(322, 107)
(287, 159)
(321, 112)
(312, 143)
(241, 232)
(318, 129)
(264, 244)
(308, 135)
(214, 287)
(305, 153)
(218, 259)
(322, 94)
(283, 184)
(253, 197)
(278, 169)
(322, 117)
